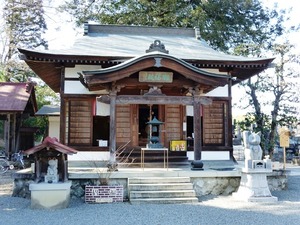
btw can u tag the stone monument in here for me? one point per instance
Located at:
(254, 185)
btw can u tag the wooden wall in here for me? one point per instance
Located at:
(123, 124)
(79, 121)
(173, 123)
(214, 122)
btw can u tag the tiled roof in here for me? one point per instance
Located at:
(15, 97)
(133, 41)
(48, 110)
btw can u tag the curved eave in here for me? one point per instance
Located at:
(48, 65)
(157, 60)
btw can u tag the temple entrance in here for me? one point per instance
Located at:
(146, 113)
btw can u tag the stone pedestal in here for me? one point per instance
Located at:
(254, 186)
(51, 178)
(50, 196)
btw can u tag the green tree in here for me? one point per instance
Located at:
(2, 76)
(44, 96)
(274, 96)
(226, 24)
(131, 12)
(24, 27)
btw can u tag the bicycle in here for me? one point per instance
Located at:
(16, 158)
(5, 165)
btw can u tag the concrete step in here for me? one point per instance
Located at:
(98, 164)
(151, 180)
(159, 187)
(87, 163)
(162, 194)
(163, 200)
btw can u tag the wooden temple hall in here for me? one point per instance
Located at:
(128, 84)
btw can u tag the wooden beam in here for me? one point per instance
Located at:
(160, 100)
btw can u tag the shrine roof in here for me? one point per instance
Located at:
(17, 97)
(53, 144)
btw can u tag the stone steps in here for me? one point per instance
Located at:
(162, 194)
(161, 190)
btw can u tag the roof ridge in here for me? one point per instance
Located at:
(137, 30)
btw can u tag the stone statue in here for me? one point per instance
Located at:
(254, 184)
(52, 173)
(253, 150)
(237, 138)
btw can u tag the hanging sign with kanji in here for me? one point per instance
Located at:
(284, 138)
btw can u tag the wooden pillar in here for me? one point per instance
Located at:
(62, 122)
(228, 116)
(197, 130)
(112, 127)
(65, 168)
(13, 134)
(7, 134)
(18, 132)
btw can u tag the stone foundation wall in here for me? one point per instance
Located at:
(278, 181)
(228, 185)
(202, 185)
(215, 185)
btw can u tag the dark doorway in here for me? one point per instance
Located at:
(190, 132)
(100, 129)
(190, 126)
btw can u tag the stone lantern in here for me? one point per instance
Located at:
(154, 134)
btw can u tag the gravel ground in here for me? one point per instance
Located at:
(211, 210)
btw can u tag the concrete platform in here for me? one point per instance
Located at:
(50, 196)
(93, 173)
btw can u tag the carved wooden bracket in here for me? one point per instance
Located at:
(154, 90)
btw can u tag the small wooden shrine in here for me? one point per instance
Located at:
(17, 103)
(48, 151)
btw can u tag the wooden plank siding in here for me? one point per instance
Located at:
(123, 124)
(66, 123)
(79, 121)
(214, 121)
(173, 123)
